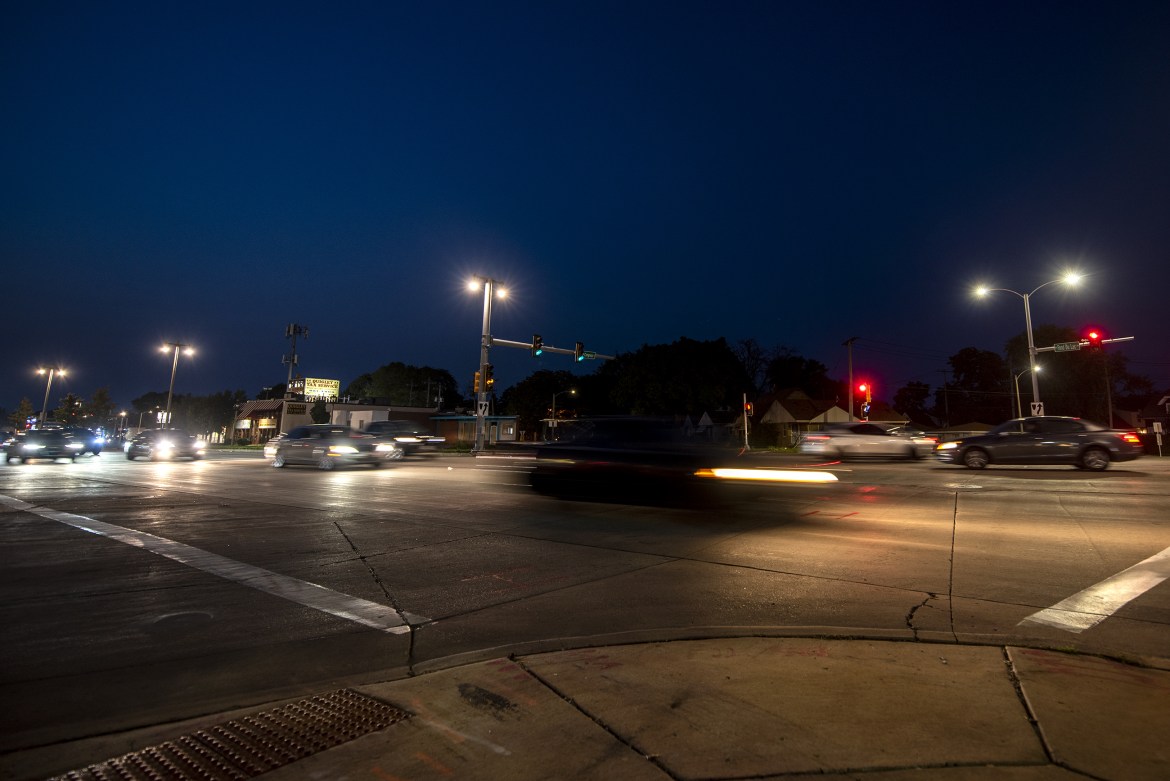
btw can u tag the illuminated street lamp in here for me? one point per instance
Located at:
(166, 348)
(1016, 378)
(121, 423)
(490, 290)
(48, 384)
(1071, 278)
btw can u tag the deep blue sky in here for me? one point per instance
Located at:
(799, 173)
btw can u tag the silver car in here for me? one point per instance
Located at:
(327, 446)
(867, 440)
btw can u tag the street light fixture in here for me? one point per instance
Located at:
(187, 350)
(1071, 279)
(1016, 378)
(490, 290)
(48, 384)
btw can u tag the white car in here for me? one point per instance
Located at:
(867, 440)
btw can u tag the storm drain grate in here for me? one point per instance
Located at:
(251, 745)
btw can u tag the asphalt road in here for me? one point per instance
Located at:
(140, 593)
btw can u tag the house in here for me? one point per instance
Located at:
(789, 414)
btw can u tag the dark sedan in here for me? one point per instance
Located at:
(1044, 440)
(648, 460)
(46, 444)
(165, 444)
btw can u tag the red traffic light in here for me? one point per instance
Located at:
(863, 387)
(1094, 336)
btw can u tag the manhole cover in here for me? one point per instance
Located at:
(251, 745)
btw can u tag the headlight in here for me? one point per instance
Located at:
(386, 447)
(342, 450)
(165, 446)
(76, 446)
(200, 444)
(947, 446)
(32, 446)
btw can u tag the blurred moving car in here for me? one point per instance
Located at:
(164, 444)
(867, 440)
(327, 446)
(1049, 440)
(650, 460)
(93, 441)
(411, 437)
(271, 444)
(46, 444)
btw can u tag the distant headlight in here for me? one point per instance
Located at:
(342, 450)
(947, 446)
(386, 447)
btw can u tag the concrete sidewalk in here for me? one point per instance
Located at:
(729, 708)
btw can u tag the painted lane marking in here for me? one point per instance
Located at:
(310, 595)
(1085, 609)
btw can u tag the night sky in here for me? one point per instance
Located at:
(795, 172)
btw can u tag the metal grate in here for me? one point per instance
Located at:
(251, 745)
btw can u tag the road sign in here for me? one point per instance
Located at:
(1066, 347)
(1037, 408)
(481, 411)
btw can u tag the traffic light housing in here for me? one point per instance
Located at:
(475, 383)
(749, 409)
(1094, 336)
(537, 345)
(867, 389)
(578, 352)
(491, 380)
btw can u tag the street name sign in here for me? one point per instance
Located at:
(1066, 347)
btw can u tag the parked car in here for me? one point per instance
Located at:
(867, 440)
(165, 444)
(411, 437)
(1044, 440)
(45, 444)
(649, 460)
(327, 446)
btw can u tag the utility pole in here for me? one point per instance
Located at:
(291, 333)
(848, 344)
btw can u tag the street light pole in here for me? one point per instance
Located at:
(1070, 278)
(1016, 378)
(570, 391)
(48, 384)
(485, 343)
(174, 367)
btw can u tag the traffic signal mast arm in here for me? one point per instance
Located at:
(546, 347)
(1073, 346)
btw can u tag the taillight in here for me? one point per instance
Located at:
(1131, 438)
(817, 438)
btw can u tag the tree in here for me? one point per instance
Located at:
(977, 391)
(684, 377)
(98, 411)
(912, 399)
(531, 398)
(789, 369)
(69, 413)
(24, 411)
(406, 386)
(755, 359)
(319, 413)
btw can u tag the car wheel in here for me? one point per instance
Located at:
(912, 453)
(326, 463)
(278, 461)
(975, 458)
(376, 464)
(396, 455)
(129, 456)
(1095, 459)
